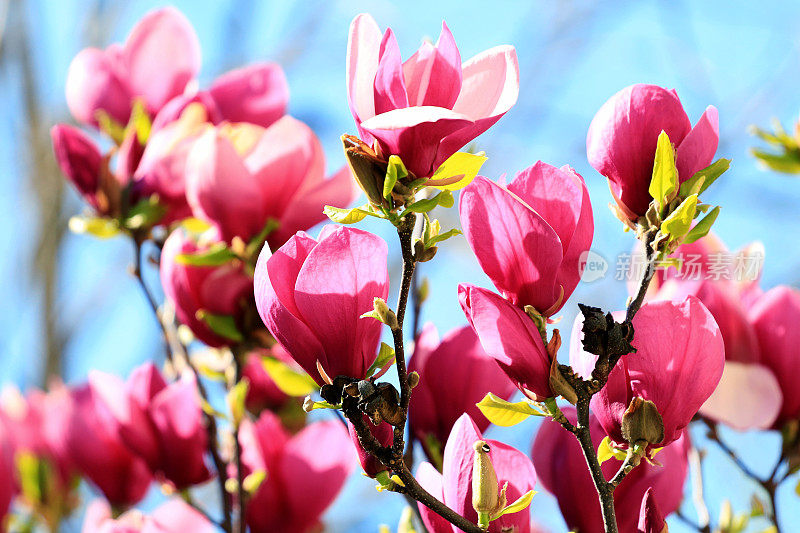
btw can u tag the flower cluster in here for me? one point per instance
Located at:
(270, 326)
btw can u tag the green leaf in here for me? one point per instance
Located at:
(702, 228)
(322, 405)
(222, 325)
(349, 216)
(521, 503)
(422, 206)
(664, 183)
(395, 171)
(103, 228)
(385, 354)
(290, 381)
(109, 126)
(457, 171)
(503, 413)
(259, 239)
(215, 255)
(702, 179)
(442, 237)
(605, 451)
(446, 199)
(145, 214)
(678, 223)
(788, 163)
(253, 481)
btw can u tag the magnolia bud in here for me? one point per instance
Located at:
(385, 314)
(487, 498)
(368, 169)
(642, 422)
(413, 379)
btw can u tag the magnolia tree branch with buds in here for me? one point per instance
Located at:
(271, 324)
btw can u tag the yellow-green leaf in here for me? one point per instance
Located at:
(103, 228)
(503, 413)
(605, 451)
(348, 216)
(521, 503)
(678, 223)
(395, 171)
(702, 179)
(457, 171)
(290, 381)
(664, 184)
(222, 325)
(215, 255)
(702, 228)
(385, 354)
(253, 481)
(236, 397)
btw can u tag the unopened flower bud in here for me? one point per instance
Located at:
(642, 422)
(368, 169)
(422, 254)
(487, 498)
(384, 314)
(413, 379)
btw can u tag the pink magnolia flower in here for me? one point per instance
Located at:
(562, 470)
(622, 138)
(311, 293)
(454, 485)
(455, 374)
(775, 317)
(748, 395)
(384, 432)
(97, 450)
(218, 290)
(428, 107)
(509, 336)
(676, 367)
(160, 57)
(304, 472)
(173, 516)
(528, 236)
(242, 176)
(159, 422)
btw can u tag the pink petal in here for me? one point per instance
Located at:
(697, 149)
(390, 90)
(414, 134)
(336, 285)
(305, 210)
(509, 336)
(622, 139)
(95, 82)
(383, 432)
(489, 89)
(520, 252)
(650, 518)
(431, 480)
(175, 516)
(275, 277)
(433, 74)
(312, 480)
(220, 189)
(363, 44)
(775, 316)
(257, 94)
(748, 397)
(162, 55)
(173, 109)
(287, 159)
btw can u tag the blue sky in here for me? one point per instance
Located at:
(741, 57)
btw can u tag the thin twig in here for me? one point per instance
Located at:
(136, 270)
